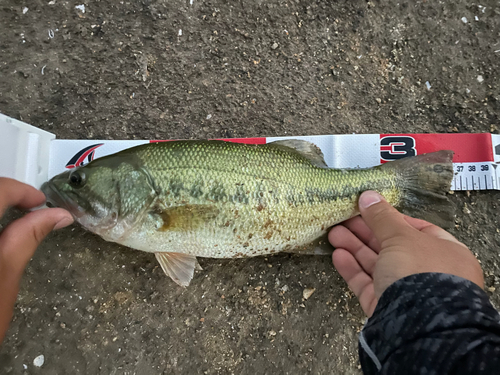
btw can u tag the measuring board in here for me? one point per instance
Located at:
(33, 156)
(476, 159)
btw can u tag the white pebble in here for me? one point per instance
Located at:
(81, 8)
(25, 367)
(476, 18)
(25, 10)
(428, 85)
(464, 19)
(308, 292)
(180, 32)
(480, 78)
(209, 117)
(38, 361)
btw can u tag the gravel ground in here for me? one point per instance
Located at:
(157, 69)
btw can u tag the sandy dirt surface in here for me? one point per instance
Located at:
(165, 69)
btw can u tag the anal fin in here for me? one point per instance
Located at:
(180, 267)
(320, 246)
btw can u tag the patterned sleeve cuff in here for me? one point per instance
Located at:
(432, 317)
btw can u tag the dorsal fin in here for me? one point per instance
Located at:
(307, 149)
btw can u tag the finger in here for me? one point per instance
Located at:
(20, 239)
(431, 229)
(358, 281)
(442, 234)
(358, 226)
(417, 223)
(341, 237)
(15, 193)
(384, 220)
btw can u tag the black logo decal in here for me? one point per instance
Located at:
(79, 158)
(397, 147)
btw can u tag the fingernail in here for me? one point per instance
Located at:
(63, 223)
(369, 198)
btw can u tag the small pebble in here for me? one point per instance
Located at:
(464, 19)
(275, 45)
(25, 10)
(38, 361)
(428, 85)
(308, 292)
(81, 8)
(480, 78)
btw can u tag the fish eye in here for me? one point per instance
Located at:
(77, 179)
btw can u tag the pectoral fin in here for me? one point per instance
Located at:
(180, 267)
(186, 217)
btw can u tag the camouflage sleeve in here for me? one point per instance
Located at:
(432, 323)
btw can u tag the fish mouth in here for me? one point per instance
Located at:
(57, 198)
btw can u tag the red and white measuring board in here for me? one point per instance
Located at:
(476, 159)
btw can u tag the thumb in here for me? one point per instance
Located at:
(383, 219)
(20, 239)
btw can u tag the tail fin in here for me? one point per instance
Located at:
(425, 180)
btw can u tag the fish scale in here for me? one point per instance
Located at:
(275, 198)
(218, 199)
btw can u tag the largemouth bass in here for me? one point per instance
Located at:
(217, 199)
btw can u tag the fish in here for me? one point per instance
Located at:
(186, 199)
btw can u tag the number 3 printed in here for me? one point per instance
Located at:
(397, 147)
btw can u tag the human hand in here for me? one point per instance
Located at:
(19, 240)
(382, 246)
